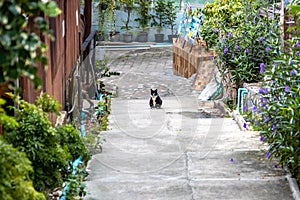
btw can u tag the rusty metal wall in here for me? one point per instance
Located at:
(63, 53)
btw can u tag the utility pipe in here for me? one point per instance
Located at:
(242, 100)
(239, 98)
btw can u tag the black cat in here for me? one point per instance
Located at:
(155, 100)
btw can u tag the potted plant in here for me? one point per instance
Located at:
(158, 19)
(128, 4)
(102, 7)
(144, 19)
(170, 13)
(106, 16)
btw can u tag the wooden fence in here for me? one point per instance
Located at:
(193, 59)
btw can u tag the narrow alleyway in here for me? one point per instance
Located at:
(174, 153)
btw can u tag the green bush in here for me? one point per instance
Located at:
(244, 48)
(38, 139)
(280, 103)
(47, 104)
(51, 150)
(219, 15)
(277, 113)
(69, 137)
(15, 168)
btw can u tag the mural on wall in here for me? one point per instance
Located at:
(183, 26)
(189, 24)
(193, 30)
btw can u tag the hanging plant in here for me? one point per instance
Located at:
(107, 18)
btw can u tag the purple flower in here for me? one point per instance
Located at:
(230, 34)
(257, 123)
(297, 53)
(216, 30)
(236, 46)
(254, 108)
(245, 125)
(271, 82)
(298, 44)
(267, 154)
(232, 55)
(261, 39)
(225, 50)
(291, 62)
(262, 68)
(293, 71)
(287, 88)
(246, 50)
(268, 49)
(244, 108)
(261, 138)
(231, 160)
(210, 57)
(223, 39)
(274, 127)
(259, 111)
(275, 166)
(266, 119)
(266, 91)
(234, 13)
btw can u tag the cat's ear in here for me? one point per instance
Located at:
(151, 90)
(155, 90)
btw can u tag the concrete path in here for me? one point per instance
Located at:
(172, 153)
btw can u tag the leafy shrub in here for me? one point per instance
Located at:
(278, 111)
(47, 103)
(280, 103)
(218, 16)
(15, 168)
(51, 150)
(253, 42)
(5, 119)
(69, 137)
(38, 139)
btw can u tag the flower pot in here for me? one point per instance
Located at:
(170, 37)
(114, 37)
(159, 37)
(100, 37)
(127, 37)
(142, 37)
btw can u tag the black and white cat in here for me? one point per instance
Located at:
(155, 100)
